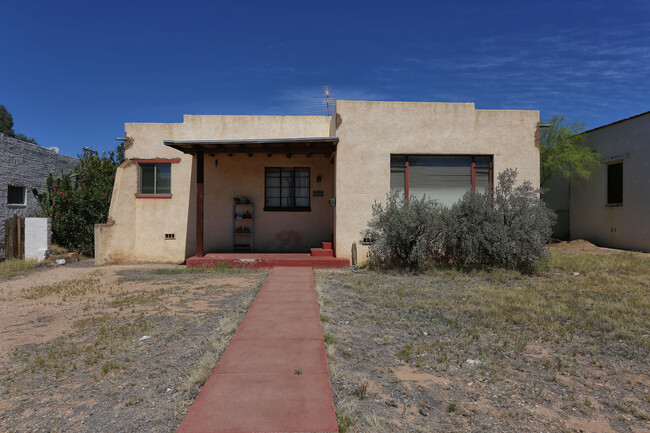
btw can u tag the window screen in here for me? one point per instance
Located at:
(15, 194)
(286, 188)
(615, 183)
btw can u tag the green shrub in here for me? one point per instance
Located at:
(508, 227)
(78, 201)
(404, 236)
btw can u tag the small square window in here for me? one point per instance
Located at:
(16, 195)
(615, 184)
(155, 179)
(287, 188)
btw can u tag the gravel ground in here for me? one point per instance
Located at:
(119, 349)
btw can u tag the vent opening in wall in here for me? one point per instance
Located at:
(170, 236)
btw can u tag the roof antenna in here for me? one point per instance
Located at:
(328, 99)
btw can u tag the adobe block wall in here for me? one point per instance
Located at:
(27, 165)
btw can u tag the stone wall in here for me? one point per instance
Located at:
(26, 165)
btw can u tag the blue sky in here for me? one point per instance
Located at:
(72, 73)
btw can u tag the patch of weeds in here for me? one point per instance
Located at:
(361, 391)
(110, 366)
(297, 371)
(325, 319)
(405, 353)
(76, 287)
(343, 421)
(630, 408)
(452, 407)
(138, 298)
(90, 322)
(54, 358)
(13, 267)
(328, 338)
(218, 268)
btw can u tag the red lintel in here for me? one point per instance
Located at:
(157, 160)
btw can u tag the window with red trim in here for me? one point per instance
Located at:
(444, 178)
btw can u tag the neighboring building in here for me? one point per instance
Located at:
(310, 178)
(612, 209)
(555, 193)
(24, 166)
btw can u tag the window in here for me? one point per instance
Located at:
(286, 189)
(615, 184)
(443, 178)
(155, 179)
(16, 195)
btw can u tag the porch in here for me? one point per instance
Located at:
(286, 188)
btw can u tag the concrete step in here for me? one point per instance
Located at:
(326, 245)
(320, 252)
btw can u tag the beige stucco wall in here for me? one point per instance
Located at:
(626, 226)
(369, 132)
(136, 227)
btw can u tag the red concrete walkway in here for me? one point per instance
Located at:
(254, 387)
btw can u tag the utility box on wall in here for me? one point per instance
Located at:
(37, 238)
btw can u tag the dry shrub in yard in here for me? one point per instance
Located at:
(405, 235)
(507, 227)
(492, 350)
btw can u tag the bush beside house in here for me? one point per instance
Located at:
(507, 227)
(77, 201)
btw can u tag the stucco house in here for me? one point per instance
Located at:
(299, 180)
(612, 208)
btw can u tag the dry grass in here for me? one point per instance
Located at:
(77, 287)
(12, 267)
(215, 346)
(526, 329)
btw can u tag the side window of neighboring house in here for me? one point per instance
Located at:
(286, 189)
(15, 195)
(155, 179)
(615, 184)
(443, 178)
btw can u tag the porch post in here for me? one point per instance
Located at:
(199, 204)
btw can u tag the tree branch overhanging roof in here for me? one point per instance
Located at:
(306, 145)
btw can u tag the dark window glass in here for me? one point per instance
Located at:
(155, 179)
(286, 188)
(615, 183)
(15, 194)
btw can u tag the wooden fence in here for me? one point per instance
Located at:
(14, 244)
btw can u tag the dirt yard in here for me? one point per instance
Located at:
(115, 348)
(566, 350)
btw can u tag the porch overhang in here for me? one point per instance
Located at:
(288, 146)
